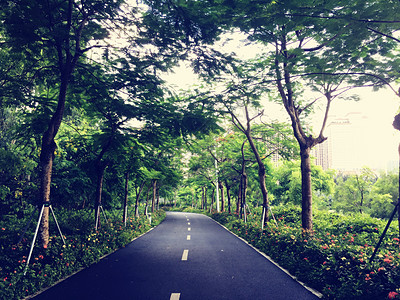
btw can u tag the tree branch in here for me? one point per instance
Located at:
(383, 34)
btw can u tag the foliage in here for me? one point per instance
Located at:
(83, 247)
(288, 177)
(366, 192)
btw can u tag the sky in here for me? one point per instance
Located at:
(378, 107)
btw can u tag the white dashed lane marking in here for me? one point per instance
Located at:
(175, 296)
(185, 254)
(188, 237)
(189, 229)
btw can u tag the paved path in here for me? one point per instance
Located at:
(187, 257)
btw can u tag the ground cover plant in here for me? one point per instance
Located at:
(84, 246)
(336, 259)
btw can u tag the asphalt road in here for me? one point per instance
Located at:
(187, 257)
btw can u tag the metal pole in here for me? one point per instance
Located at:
(27, 225)
(384, 233)
(104, 214)
(34, 239)
(55, 220)
(263, 218)
(270, 209)
(97, 219)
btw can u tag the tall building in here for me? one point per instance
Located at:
(346, 148)
(321, 155)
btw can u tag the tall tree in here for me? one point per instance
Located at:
(328, 54)
(241, 101)
(57, 34)
(336, 44)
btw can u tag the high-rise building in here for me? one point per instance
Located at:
(346, 148)
(321, 155)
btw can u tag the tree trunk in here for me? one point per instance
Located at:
(175, 198)
(398, 200)
(205, 198)
(84, 203)
(147, 199)
(202, 197)
(138, 193)
(360, 188)
(66, 62)
(46, 162)
(153, 201)
(239, 197)
(242, 185)
(306, 190)
(243, 192)
(158, 197)
(125, 214)
(47, 157)
(212, 200)
(228, 195)
(261, 176)
(221, 186)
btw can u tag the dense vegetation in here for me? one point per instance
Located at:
(334, 261)
(83, 247)
(87, 121)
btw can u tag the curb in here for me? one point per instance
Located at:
(313, 291)
(81, 269)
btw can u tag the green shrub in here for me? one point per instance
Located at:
(335, 259)
(83, 247)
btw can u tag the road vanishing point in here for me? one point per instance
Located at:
(187, 257)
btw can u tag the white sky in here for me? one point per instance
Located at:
(379, 107)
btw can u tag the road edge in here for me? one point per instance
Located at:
(83, 268)
(313, 291)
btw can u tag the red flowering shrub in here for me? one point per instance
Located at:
(335, 259)
(83, 247)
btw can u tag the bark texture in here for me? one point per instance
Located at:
(125, 214)
(306, 190)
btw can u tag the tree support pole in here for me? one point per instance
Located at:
(263, 218)
(46, 204)
(34, 240)
(270, 209)
(384, 231)
(396, 125)
(55, 220)
(27, 226)
(104, 213)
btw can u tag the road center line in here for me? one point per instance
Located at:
(189, 229)
(175, 296)
(188, 237)
(185, 254)
(188, 223)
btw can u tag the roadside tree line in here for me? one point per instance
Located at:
(85, 113)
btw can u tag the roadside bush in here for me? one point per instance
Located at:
(335, 259)
(84, 246)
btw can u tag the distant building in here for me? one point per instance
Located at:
(346, 148)
(321, 154)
